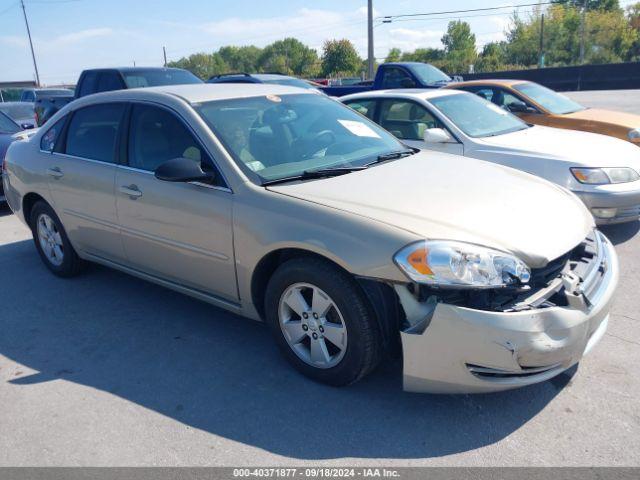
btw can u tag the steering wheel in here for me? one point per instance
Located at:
(316, 143)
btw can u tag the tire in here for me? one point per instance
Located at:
(65, 263)
(352, 354)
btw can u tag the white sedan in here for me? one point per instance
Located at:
(603, 171)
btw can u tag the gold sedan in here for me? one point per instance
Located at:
(542, 106)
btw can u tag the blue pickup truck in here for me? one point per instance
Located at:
(396, 75)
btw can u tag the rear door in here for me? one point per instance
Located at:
(181, 232)
(81, 176)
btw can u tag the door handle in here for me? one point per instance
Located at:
(131, 190)
(55, 172)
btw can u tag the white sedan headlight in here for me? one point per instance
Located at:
(601, 176)
(443, 263)
(634, 134)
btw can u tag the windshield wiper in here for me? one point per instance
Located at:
(394, 155)
(320, 173)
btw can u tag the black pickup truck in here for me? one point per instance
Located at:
(107, 79)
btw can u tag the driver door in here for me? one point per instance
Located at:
(180, 232)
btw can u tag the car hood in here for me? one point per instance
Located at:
(581, 148)
(441, 196)
(623, 119)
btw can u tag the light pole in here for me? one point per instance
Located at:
(33, 55)
(370, 57)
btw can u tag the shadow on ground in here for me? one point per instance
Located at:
(222, 374)
(622, 232)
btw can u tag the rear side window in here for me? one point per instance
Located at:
(108, 81)
(364, 107)
(156, 135)
(88, 84)
(49, 139)
(93, 132)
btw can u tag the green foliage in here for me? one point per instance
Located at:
(394, 55)
(340, 57)
(459, 47)
(603, 5)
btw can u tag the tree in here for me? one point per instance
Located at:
(459, 47)
(425, 55)
(289, 56)
(493, 57)
(240, 59)
(340, 57)
(633, 15)
(602, 5)
(202, 65)
(394, 55)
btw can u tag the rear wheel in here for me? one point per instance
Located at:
(52, 242)
(322, 321)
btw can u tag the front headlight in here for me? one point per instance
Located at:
(455, 264)
(634, 134)
(602, 176)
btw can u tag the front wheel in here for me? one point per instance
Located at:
(322, 321)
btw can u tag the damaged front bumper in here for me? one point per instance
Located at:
(456, 349)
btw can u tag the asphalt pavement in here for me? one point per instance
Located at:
(108, 370)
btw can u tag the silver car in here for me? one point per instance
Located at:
(283, 205)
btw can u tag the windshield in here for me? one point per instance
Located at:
(157, 78)
(291, 82)
(18, 111)
(548, 99)
(278, 137)
(429, 74)
(475, 116)
(7, 125)
(54, 93)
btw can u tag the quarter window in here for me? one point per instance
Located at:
(49, 139)
(93, 132)
(406, 120)
(156, 136)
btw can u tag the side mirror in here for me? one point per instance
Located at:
(436, 135)
(407, 83)
(182, 170)
(519, 107)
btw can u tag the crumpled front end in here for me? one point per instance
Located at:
(450, 347)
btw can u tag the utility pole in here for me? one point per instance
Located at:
(33, 55)
(582, 29)
(164, 51)
(541, 54)
(370, 55)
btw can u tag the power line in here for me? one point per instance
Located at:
(484, 9)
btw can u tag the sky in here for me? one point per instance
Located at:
(71, 35)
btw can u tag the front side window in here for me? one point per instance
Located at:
(364, 107)
(477, 117)
(93, 132)
(156, 135)
(49, 139)
(278, 137)
(395, 78)
(548, 99)
(406, 120)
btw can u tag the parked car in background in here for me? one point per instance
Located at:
(108, 79)
(542, 106)
(8, 131)
(22, 113)
(268, 78)
(45, 106)
(278, 203)
(396, 75)
(603, 171)
(32, 94)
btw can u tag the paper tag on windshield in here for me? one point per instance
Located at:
(358, 128)
(497, 109)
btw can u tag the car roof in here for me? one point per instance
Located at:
(201, 92)
(129, 69)
(413, 93)
(499, 82)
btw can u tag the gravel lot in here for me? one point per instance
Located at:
(108, 370)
